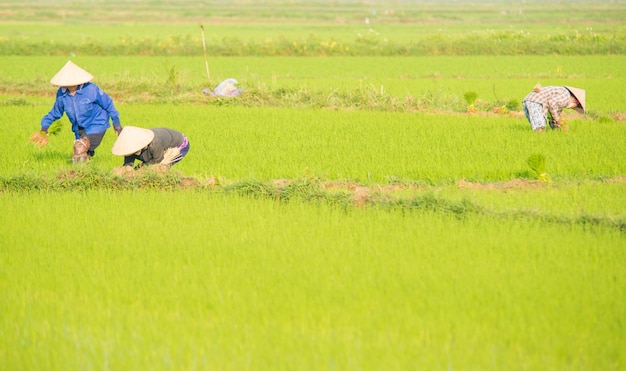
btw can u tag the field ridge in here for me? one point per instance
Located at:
(407, 195)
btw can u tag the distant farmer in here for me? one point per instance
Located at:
(150, 146)
(545, 104)
(88, 108)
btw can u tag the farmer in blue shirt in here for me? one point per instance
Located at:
(88, 108)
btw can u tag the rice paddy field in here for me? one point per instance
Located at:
(352, 209)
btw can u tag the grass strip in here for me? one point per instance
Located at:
(411, 198)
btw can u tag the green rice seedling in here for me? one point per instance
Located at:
(537, 163)
(470, 98)
(56, 127)
(513, 105)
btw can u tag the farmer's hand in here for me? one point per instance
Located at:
(564, 126)
(118, 129)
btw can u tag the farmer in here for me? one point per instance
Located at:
(150, 146)
(552, 99)
(88, 108)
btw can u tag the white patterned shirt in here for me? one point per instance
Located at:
(552, 98)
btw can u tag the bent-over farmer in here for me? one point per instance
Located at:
(545, 105)
(150, 146)
(88, 108)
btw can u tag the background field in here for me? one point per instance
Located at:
(345, 212)
(371, 83)
(313, 28)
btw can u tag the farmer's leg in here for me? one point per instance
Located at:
(534, 114)
(81, 148)
(94, 140)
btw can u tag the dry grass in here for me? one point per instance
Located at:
(170, 156)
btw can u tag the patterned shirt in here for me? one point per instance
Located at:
(552, 98)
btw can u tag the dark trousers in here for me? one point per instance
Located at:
(94, 140)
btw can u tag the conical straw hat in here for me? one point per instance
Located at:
(131, 140)
(579, 94)
(71, 75)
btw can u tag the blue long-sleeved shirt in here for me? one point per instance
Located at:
(89, 108)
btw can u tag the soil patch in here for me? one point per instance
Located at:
(509, 184)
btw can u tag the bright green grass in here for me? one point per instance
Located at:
(205, 280)
(564, 200)
(136, 280)
(370, 147)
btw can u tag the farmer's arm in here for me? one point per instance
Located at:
(55, 113)
(555, 112)
(555, 108)
(129, 160)
(156, 150)
(107, 104)
(556, 104)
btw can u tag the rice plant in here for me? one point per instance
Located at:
(537, 163)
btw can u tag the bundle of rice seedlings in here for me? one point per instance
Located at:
(537, 163)
(55, 128)
(171, 155)
(470, 98)
(40, 138)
